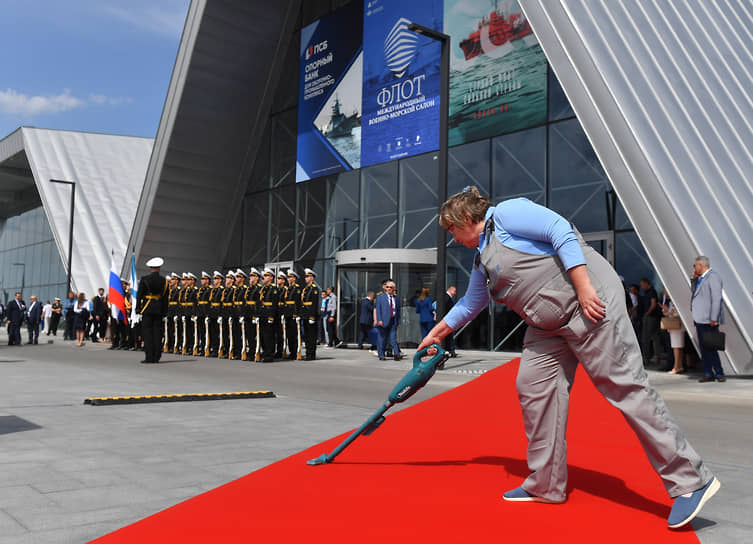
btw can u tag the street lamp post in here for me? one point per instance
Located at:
(70, 231)
(444, 104)
(23, 276)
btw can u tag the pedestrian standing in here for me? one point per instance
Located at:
(706, 307)
(57, 311)
(16, 311)
(366, 319)
(68, 313)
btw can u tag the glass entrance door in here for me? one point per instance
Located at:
(355, 281)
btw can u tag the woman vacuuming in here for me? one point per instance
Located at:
(532, 260)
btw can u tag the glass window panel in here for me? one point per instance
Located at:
(631, 260)
(559, 105)
(418, 202)
(468, 165)
(577, 182)
(311, 218)
(255, 229)
(343, 213)
(379, 205)
(282, 233)
(519, 167)
(284, 142)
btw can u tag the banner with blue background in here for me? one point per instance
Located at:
(401, 80)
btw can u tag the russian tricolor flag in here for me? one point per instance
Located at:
(116, 296)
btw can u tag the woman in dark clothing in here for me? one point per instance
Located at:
(80, 318)
(425, 309)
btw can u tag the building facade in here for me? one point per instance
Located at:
(358, 226)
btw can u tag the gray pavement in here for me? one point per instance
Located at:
(71, 472)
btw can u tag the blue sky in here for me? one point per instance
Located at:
(89, 65)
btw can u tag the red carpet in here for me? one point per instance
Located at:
(436, 472)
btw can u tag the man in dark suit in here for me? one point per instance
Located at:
(152, 305)
(15, 310)
(388, 319)
(99, 313)
(366, 321)
(33, 318)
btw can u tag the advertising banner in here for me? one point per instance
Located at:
(329, 95)
(401, 80)
(498, 70)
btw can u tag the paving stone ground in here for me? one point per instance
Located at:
(71, 472)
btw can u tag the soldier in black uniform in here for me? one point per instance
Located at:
(152, 305)
(202, 312)
(251, 312)
(226, 312)
(215, 309)
(188, 312)
(267, 308)
(172, 311)
(125, 328)
(310, 301)
(239, 313)
(282, 293)
(292, 313)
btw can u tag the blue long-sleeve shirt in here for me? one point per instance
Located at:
(524, 226)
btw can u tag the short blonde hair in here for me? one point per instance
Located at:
(468, 203)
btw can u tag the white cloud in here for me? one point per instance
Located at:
(13, 102)
(112, 101)
(155, 19)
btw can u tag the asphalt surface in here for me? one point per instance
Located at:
(71, 472)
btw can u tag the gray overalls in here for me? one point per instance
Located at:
(539, 289)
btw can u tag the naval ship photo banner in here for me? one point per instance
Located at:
(401, 80)
(498, 70)
(329, 94)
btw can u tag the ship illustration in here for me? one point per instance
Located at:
(340, 125)
(497, 33)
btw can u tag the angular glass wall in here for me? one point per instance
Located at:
(29, 259)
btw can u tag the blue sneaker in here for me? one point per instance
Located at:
(521, 495)
(687, 506)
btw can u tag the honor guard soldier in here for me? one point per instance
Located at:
(239, 318)
(215, 311)
(125, 328)
(202, 313)
(181, 317)
(267, 307)
(292, 314)
(152, 305)
(226, 313)
(310, 301)
(282, 293)
(188, 310)
(172, 312)
(251, 312)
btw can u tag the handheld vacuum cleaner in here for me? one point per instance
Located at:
(414, 380)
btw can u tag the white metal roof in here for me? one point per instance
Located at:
(109, 173)
(662, 89)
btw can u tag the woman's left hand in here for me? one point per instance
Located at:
(593, 308)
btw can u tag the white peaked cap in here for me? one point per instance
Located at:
(155, 262)
(308, 271)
